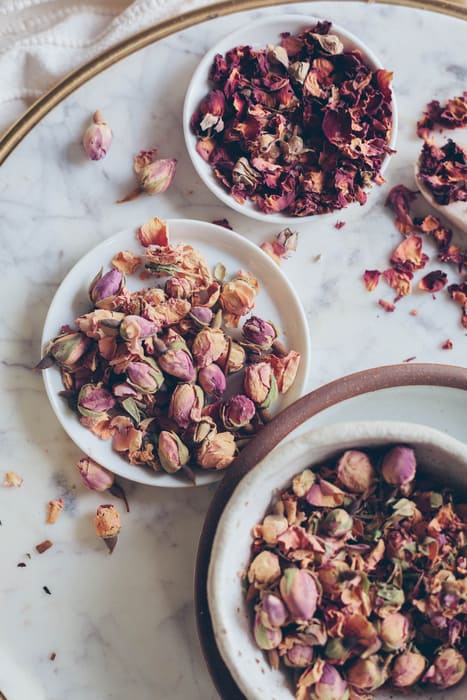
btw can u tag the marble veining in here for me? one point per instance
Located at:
(123, 626)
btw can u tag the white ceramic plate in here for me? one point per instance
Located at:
(276, 301)
(441, 455)
(258, 34)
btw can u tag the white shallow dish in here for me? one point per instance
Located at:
(443, 457)
(276, 301)
(259, 34)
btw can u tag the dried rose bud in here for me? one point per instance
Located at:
(186, 404)
(157, 177)
(367, 674)
(408, 669)
(105, 286)
(264, 569)
(217, 452)
(337, 650)
(204, 430)
(266, 638)
(145, 376)
(399, 466)
(208, 346)
(303, 482)
(300, 594)
(201, 315)
(355, 471)
(238, 296)
(97, 138)
(173, 454)
(272, 611)
(178, 288)
(13, 480)
(212, 379)
(108, 525)
(68, 349)
(133, 326)
(337, 523)
(260, 384)
(94, 476)
(94, 401)
(177, 362)
(331, 685)
(272, 527)
(314, 633)
(236, 358)
(297, 653)
(447, 669)
(54, 509)
(259, 332)
(237, 412)
(393, 631)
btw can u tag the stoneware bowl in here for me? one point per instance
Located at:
(259, 34)
(441, 457)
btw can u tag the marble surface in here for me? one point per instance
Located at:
(123, 625)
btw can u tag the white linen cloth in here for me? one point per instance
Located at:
(43, 40)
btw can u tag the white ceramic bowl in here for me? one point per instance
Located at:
(258, 34)
(442, 457)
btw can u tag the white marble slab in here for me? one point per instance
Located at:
(123, 626)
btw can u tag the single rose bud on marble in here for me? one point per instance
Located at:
(108, 525)
(97, 138)
(94, 476)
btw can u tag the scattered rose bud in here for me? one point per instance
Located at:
(94, 401)
(68, 349)
(331, 685)
(12, 480)
(337, 523)
(297, 653)
(173, 453)
(447, 669)
(202, 315)
(186, 404)
(272, 611)
(216, 452)
(300, 594)
(260, 384)
(108, 524)
(177, 362)
(266, 638)
(104, 287)
(272, 527)
(145, 376)
(94, 476)
(97, 138)
(208, 345)
(178, 288)
(399, 466)
(367, 674)
(133, 326)
(355, 471)
(54, 509)
(234, 358)
(408, 669)
(237, 412)
(264, 569)
(212, 380)
(206, 429)
(154, 175)
(259, 332)
(393, 631)
(303, 482)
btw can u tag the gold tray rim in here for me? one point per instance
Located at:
(37, 111)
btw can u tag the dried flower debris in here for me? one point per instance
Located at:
(358, 578)
(452, 115)
(12, 480)
(300, 128)
(443, 170)
(282, 247)
(43, 546)
(148, 369)
(54, 508)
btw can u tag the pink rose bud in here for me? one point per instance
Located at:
(298, 654)
(173, 454)
(408, 669)
(259, 332)
(208, 346)
(177, 362)
(337, 523)
(178, 288)
(202, 315)
(206, 429)
(68, 349)
(303, 482)
(108, 524)
(137, 327)
(355, 471)
(447, 669)
(331, 685)
(237, 412)
(272, 527)
(260, 385)
(94, 476)
(367, 674)
(399, 466)
(145, 376)
(94, 401)
(97, 138)
(186, 404)
(272, 611)
(266, 638)
(300, 594)
(234, 357)
(212, 380)
(264, 569)
(393, 631)
(105, 286)
(216, 452)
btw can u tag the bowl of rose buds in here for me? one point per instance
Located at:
(338, 567)
(290, 117)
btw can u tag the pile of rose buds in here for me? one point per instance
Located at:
(358, 579)
(149, 369)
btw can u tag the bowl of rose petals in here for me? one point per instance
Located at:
(338, 568)
(165, 353)
(290, 117)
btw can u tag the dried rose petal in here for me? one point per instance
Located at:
(449, 116)
(153, 232)
(12, 480)
(400, 199)
(433, 281)
(54, 509)
(371, 279)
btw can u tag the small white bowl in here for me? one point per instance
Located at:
(442, 457)
(258, 34)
